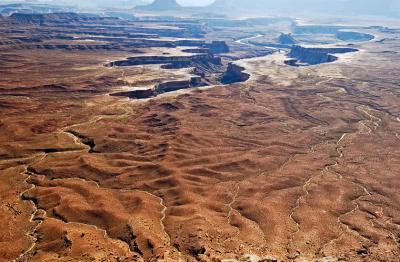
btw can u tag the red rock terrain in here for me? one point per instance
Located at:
(295, 164)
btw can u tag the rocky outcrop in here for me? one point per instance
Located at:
(57, 18)
(169, 61)
(30, 44)
(196, 50)
(171, 86)
(137, 94)
(291, 62)
(122, 42)
(340, 32)
(234, 74)
(215, 47)
(317, 29)
(253, 258)
(164, 87)
(312, 56)
(353, 36)
(160, 5)
(286, 39)
(118, 34)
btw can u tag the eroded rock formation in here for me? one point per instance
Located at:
(161, 5)
(52, 18)
(234, 74)
(353, 36)
(286, 39)
(313, 56)
(164, 87)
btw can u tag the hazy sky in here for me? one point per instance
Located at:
(195, 2)
(261, 7)
(182, 2)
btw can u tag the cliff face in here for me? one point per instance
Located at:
(217, 47)
(161, 5)
(353, 36)
(234, 74)
(137, 94)
(286, 39)
(313, 56)
(340, 32)
(171, 86)
(214, 47)
(171, 61)
(164, 87)
(59, 18)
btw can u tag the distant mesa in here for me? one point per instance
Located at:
(222, 6)
(161, 5)
(32, 8)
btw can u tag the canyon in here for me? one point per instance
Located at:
(161, 138)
